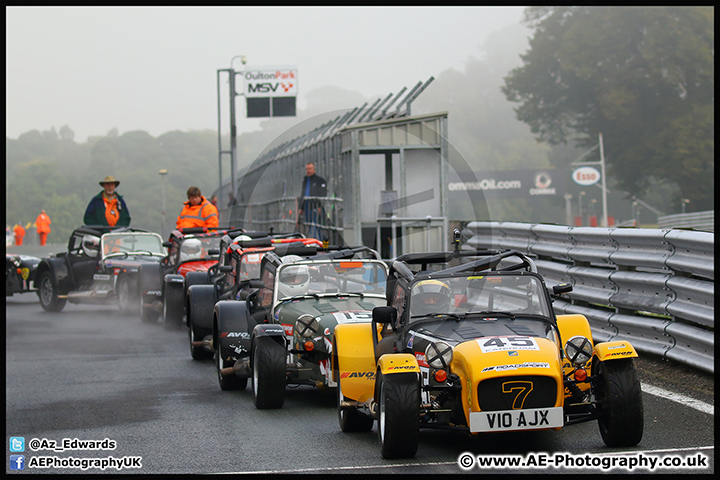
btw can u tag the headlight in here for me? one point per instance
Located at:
(438, 355)
(578, 350)
(307, 326)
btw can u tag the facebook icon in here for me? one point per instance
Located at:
(17, 462)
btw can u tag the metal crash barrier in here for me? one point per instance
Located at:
(653, 287)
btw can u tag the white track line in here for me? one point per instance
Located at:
(679, 398)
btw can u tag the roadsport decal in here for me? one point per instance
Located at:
(515, 366)
(352, 317)
(499, 344)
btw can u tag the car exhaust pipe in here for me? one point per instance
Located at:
(241, 368)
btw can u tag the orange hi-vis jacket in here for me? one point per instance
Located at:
(203, 215)
(43, 223)
(19, 234)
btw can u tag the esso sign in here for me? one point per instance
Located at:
(586, 176)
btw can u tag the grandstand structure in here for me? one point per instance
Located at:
(386, 172)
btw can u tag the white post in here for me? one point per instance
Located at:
(162, 174)
(604, 189)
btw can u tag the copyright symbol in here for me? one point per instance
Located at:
(466, 461)
(34, 444)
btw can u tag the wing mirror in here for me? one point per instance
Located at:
(562, 288)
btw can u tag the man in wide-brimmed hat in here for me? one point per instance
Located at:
(107, 208)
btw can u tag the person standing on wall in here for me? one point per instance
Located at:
(107, 208)
(42, 223)
(197, 211)
(19, 233)
(311, 210)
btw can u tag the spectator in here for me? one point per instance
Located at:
(313, 185)
(197, 211)
(19, 233)
(43, 226)
(231, 200)
(107, 208)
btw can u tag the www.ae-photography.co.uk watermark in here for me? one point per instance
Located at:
(604, 462)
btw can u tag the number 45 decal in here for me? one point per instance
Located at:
(497, 344)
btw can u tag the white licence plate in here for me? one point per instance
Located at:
(529, 419)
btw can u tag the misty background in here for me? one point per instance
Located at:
(92, 92)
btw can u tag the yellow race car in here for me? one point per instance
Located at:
(477, 347)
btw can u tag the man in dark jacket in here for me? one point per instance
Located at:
(313, 186)
(107, 208)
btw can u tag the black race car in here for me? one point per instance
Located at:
(281, 333)
(230, 279)
(192, 252)
(19, 273)
(101, 265)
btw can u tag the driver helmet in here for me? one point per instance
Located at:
(190, 249)
(91, 245)
(241, 238)
(293, 280)
(430, 296)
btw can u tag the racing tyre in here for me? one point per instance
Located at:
(47, 294)
(619, 399)
(268, 367)
(350, 419)
(149, 280)
(173, 306)
(228, 382)
(127, 292)
(398, 414)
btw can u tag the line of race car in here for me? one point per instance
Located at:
(465, 339)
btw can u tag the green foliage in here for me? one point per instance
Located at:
(52, 172)
(641, 76)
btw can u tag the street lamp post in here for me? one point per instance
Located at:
(233, 128)
(162, 174)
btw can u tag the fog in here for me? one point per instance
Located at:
(95, 69)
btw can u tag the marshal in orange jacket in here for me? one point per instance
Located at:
(205, 214)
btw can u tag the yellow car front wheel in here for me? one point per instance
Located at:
(398, 404)
(619, 400)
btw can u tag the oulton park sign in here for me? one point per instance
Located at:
(271, 82)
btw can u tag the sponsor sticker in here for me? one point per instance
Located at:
(499, 344)
(352, 317)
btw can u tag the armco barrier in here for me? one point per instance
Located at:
(653, 287)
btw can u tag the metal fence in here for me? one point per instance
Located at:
(653, 287)
(697, 220)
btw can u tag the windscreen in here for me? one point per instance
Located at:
(331, 277)
(130, 243)
(499, 292)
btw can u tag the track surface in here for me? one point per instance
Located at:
(89, 373)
